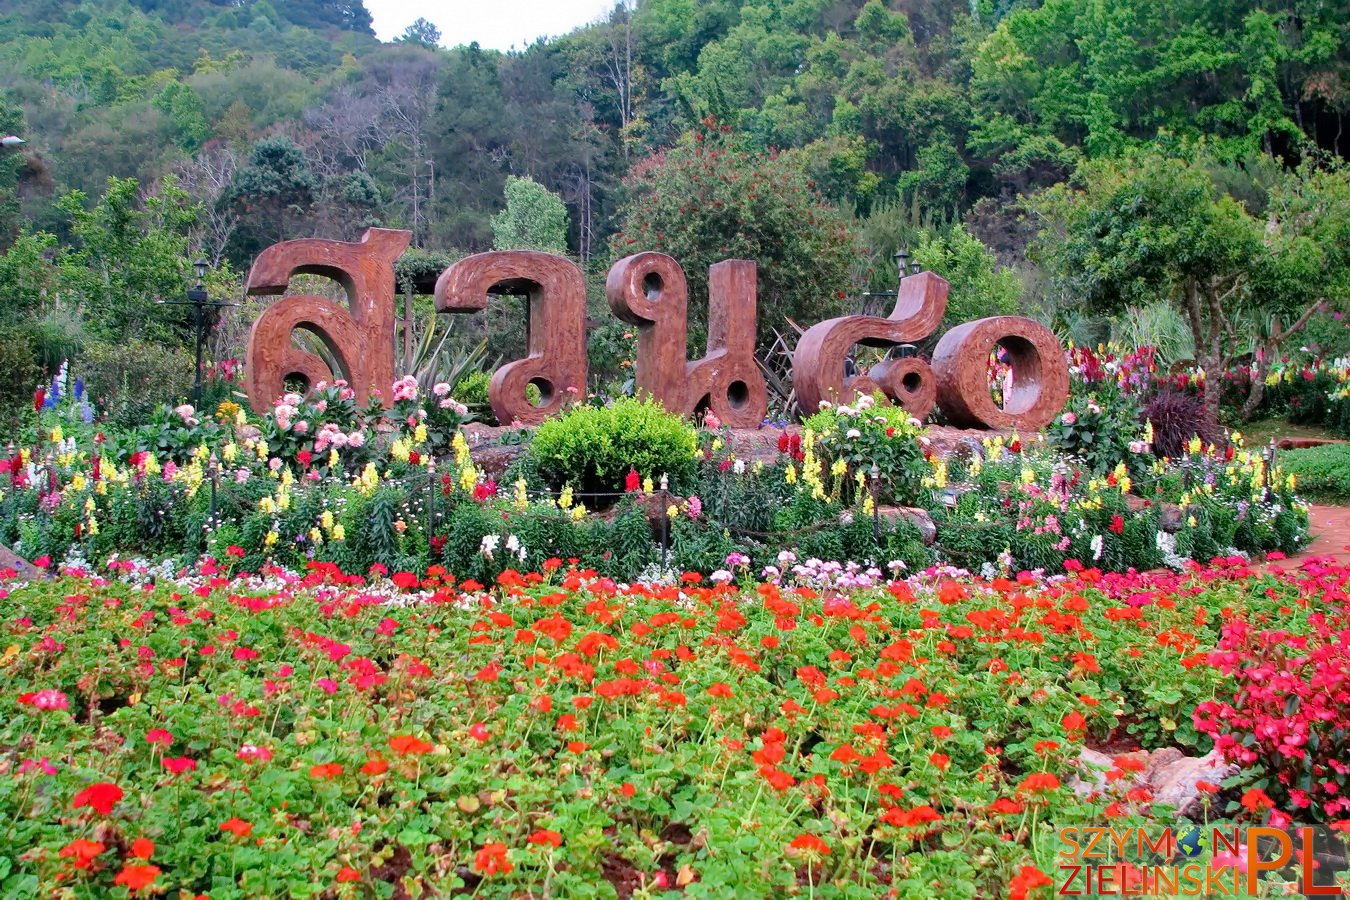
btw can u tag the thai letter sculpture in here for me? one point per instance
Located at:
(957, 380)
(649, 290)
(555, 292)
(360, 337)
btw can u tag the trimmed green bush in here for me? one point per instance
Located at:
(594, 448)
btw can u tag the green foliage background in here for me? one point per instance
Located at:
(871, 124)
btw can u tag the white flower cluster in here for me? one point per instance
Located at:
(488, 546)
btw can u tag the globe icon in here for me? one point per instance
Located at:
(1188, 841)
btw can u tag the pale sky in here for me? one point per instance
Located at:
(494, 24)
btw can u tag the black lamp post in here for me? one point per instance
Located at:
(198, 299)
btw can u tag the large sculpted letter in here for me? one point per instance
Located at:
(649, 290)
(818, 362)
(361, 337)
(1040, 374)
(556, 293)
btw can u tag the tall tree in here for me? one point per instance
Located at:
(272, 192)
(708, 200)
(534, 219)
(1131, 230)
(421, 32)
(133, 250)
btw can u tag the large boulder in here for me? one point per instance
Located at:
(1172, 777)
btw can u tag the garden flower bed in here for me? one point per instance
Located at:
(212, 733)
(320, 479)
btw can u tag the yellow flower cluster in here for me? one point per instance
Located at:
(367, 481)
(811, 466)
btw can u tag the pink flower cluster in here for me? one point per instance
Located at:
(405, 388)
(1289, 712)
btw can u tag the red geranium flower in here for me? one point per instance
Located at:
(135, 877)
(809, 843)
(177, 765)
(142, 848)
(158, 736)
(1038, 783)
(491, 859)
(101, 798)
(348, 874)
(1256, 800)
(408, 745)
(237, 827)
(82, 852)
(325, 770)
(1027, 879)
(545, 837)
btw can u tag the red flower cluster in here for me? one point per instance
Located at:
(1287, 713)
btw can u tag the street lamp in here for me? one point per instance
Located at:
(198, 299)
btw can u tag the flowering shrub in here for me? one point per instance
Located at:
(561, 734)
(1284, 713)
(852, 439)
(1100, 428)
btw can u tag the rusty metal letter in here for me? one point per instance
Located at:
(361, 337)
(818, 362)
(1040, 374)
(649, 290)
(556, 294)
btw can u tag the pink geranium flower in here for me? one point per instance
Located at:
(49, 698)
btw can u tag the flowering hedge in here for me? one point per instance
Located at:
(560, 733)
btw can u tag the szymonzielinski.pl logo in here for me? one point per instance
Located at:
(1192, 860)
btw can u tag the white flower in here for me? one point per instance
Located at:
(738, 467)
(721, 576)
(512, 543)
(489, 545)
(852, 433)
(1097, 545)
